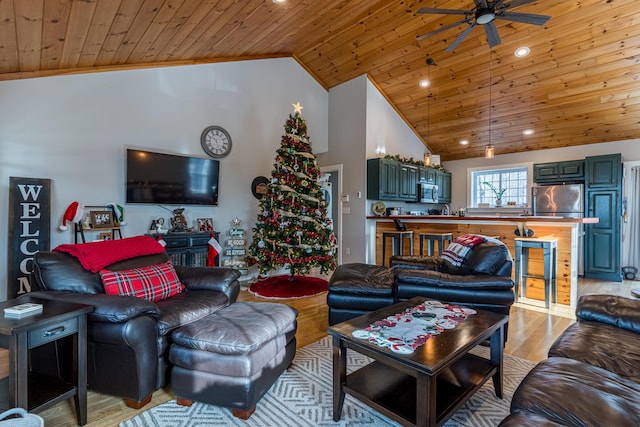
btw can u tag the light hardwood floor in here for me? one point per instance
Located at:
(531, 333)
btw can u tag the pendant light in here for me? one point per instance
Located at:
(430, 62)
(489, 149)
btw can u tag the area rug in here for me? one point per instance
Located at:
(282, 287)
(302, 397)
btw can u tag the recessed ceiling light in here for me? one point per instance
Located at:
(521, 52)
(464, 142)
(528, 132)
(424, 83)
(278, 1)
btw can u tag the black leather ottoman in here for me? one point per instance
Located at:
(232, 357)
(356, 289)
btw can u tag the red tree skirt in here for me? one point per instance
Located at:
(281, 287)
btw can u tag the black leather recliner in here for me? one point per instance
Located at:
(483, 281)
(128, 338)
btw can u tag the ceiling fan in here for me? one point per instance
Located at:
(484, 13)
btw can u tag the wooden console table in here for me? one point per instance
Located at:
(29, 390)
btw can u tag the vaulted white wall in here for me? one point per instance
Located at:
(360, 121)
(74, 130)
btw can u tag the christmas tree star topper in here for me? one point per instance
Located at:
(297, 108)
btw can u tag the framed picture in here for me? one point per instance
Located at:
(101, 219)
(106, 235)
(205, 224)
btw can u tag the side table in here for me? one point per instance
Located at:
(25, 389)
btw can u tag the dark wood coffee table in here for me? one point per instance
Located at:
(426, 387)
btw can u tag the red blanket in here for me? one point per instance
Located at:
(94, 256)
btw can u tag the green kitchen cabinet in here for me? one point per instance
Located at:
(443, 181)
(604, 171)
(572, 170)
(426, 174)
(602, 241)
(383, 179)
(408, 182)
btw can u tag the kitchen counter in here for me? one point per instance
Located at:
(502, 218)
(504, 227)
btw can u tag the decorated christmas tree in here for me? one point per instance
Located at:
(292, 227)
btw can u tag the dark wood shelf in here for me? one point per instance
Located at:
(394, 393)
(43, 392)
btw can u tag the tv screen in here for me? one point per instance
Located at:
(158, 178)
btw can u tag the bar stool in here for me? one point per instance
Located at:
(397, 243)
(549, 248)
(431, 239)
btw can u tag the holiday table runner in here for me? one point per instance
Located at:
(404, 332)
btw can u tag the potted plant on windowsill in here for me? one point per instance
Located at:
(497, 192)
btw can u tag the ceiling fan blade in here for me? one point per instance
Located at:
(443, 11)
(461, 37)
(443, 28)
(527, 18)
(516, 3)
(492, 34)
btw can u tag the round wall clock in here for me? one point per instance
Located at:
(216, 142)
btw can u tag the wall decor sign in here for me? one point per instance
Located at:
(29, 229)
(259, 187)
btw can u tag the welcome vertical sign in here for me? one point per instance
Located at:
(29, 229)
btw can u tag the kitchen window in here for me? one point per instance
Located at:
(514, 180)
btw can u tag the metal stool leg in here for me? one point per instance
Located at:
(384, 249)
(518, 260)
(410, 237)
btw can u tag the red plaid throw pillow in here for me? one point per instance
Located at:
(458, 250)
(154, 282)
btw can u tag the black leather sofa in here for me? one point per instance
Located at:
(592, 375)
(128, 337)
(483, 280)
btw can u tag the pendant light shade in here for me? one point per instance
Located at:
(489, 151)
(427, 159)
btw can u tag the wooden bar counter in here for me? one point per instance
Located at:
(566, 230)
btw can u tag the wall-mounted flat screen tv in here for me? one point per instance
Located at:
(169, 179)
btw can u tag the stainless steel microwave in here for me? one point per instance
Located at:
(427, 192)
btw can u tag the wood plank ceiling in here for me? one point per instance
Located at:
(579, 85)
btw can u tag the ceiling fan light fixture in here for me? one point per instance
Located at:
(485, 16)
(489, 151)
(521, 52)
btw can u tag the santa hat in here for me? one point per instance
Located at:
(118, 212)
(74, 213)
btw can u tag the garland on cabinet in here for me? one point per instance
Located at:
(412, 161)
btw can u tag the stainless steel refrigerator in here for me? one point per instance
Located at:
(566, 200)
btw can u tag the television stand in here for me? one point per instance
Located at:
(188, 248)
